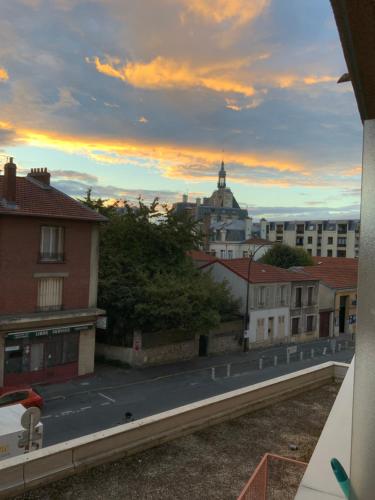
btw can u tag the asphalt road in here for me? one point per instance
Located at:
(96, 404)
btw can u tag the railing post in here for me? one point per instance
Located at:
(213, 377)
(275, 361)
(312, 353)
(228, 370)
(301, 356)
(260, 363)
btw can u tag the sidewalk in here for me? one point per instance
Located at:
(109, 376)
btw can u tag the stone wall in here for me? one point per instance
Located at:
(226, 338)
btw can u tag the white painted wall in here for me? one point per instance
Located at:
(266, 314)
(236, 248)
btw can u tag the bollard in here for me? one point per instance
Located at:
(339, 347)
(346, 344)
(312, 353)
(260, 363)
(213, 373)
(275, 361)
(287, 358)
(301, 356)
(324, 351)
(228, 370)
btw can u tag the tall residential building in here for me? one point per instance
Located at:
(220, 216)
(320, 238)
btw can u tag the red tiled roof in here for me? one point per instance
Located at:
(198, 255)
(258, 241)
(337, 275)
(335, 261)
(38, 200)
(262, 273)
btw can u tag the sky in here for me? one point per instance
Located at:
(147, 97)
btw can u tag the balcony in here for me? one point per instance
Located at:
(47, 257)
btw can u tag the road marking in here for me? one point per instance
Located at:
(67, 412)
(46, 416)
(105, 404)
(85, 408)
(107, 397)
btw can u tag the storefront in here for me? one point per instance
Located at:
(42, 355)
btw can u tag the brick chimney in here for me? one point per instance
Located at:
(41, 175)
(9, 188)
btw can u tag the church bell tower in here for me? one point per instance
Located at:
(222, 175)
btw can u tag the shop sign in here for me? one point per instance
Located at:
(11, 348)
(50, 332)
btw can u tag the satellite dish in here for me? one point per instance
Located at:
(31, 417)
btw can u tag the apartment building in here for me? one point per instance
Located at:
(321, 238)
(49, 246)
(282, 305)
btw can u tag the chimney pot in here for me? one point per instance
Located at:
(40, 174)
(9, 188)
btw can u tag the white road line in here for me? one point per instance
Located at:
(105, 404)
(107, 397)
(67, 412)
(46, 416)
(85, 408)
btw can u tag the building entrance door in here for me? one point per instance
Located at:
(342, 313)
(203, 345)
(324, 324)
(270, 328)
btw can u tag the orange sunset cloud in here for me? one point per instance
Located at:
(3, 74)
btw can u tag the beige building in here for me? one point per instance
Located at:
(239, 249)
(337, 294)
(321, 238)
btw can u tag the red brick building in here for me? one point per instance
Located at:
(49, 247)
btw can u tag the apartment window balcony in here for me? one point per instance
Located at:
(299, 241)
(51, 257)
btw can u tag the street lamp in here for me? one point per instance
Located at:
(246, 317)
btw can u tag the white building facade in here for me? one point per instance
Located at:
(320, 238)
(282, 305)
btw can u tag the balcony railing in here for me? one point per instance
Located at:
(274, 476)
(49, 308)
(51, 257)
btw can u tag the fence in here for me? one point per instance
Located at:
(275, 477)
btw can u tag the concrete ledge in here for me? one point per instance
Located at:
(58, 461)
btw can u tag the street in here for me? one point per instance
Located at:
(92, 404)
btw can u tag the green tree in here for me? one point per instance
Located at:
(146, 279)
(281, 255)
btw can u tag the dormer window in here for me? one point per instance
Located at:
(52, 244)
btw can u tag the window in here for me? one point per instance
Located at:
(330, 240)
(309, 323)
(52, 244)
(309, 251)
(50, 294)
(283, 295)
(300, 228)
(341, 242)
(309, 240)
(279, 228)
(230, 254)
(13, 397)
(245, 253)
(341, 253)
(310, 295)
(342, 228)
(222, 254)
(298, 297)
(281, 327)
(261, 295)
(295, 326)
(319, 241)
(299, 240)
(318, 252)
(329, 253)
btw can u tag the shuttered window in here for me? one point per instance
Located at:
(50, 294)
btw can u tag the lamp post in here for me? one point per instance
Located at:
(246, 317)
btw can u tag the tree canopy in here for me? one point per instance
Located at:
(282, 255)
(146, 279)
